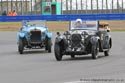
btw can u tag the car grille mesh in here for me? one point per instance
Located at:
(76, 40)
(35, 36)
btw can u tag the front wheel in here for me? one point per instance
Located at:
(95, 50)
(21, 47)
(57, 51)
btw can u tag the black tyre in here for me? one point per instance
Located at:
(72, 56)
(95, 50)
(46, 44)
(57, 51)
(21, 47)
(49, 45)
(106, 53)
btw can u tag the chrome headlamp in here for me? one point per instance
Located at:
(85, 34)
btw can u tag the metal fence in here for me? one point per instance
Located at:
(26, 7)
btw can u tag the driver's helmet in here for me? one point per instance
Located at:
(78, 23)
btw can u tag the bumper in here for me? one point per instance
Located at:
(75, 52)
(35, 43)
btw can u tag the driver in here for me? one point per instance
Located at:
(78, 23)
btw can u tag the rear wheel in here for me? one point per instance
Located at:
(106, 53)
(57, 51)
(95, 50)
(72, 56)
(49, 45)
(21, 47)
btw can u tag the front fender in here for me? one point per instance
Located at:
(61, 41)
(49, 35)
(58, 39)
(21, 35)
(94, 40)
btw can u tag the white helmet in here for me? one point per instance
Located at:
(79, 20)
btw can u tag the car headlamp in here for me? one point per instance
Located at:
(85, 34)
(43, 33)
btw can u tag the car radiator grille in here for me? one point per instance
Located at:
(35, 37)
(76, 40)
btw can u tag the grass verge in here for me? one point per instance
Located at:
(55, 26)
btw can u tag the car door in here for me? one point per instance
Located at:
(104, 38)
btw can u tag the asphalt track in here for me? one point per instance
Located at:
(37, 66)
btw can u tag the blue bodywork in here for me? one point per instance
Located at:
(36, 28)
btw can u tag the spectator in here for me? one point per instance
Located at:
(14, 13)
(9, 13)
(4, 13)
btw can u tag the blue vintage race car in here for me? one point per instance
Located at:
(34, 35)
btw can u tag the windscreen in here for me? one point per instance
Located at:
(35, 22)
(85, 25)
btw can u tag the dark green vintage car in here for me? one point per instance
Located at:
(91, 38)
